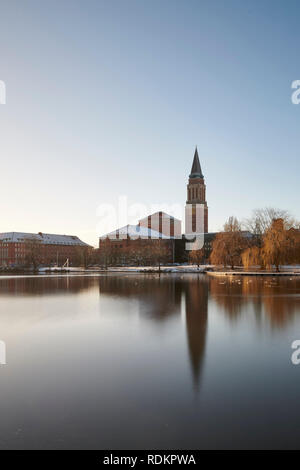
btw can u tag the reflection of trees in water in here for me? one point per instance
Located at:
(228, 295)
(50, 285)
(278, 298)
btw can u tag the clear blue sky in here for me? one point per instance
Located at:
(109, 98)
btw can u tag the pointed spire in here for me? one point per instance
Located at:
(196, 171)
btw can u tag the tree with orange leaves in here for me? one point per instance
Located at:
(277, 244)
(229, 245)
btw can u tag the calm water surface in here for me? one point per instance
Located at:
(138, 361)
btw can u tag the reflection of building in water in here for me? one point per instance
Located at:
(50, 285)
(46, 301)
(196, 301)
(158, 296)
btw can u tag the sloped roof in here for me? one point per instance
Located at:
(45, 238)
(133, 231)
(196, 171)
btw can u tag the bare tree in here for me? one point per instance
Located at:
(196, 256)
(105, 251)
(84, 255)
(33, 252)
(262, 220)
(138, 253)
(158, 252)
(232, 225)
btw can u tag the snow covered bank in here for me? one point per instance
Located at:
(253, 273)
(163, 269)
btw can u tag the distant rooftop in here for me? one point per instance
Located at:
(45, 238)
(133, 231)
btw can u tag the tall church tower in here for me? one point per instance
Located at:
(196, 189)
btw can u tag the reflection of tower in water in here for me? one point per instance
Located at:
(159, 298)
(196, 300)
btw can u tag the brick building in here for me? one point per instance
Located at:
(133, 243)
(137, 244)
(16, 248)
